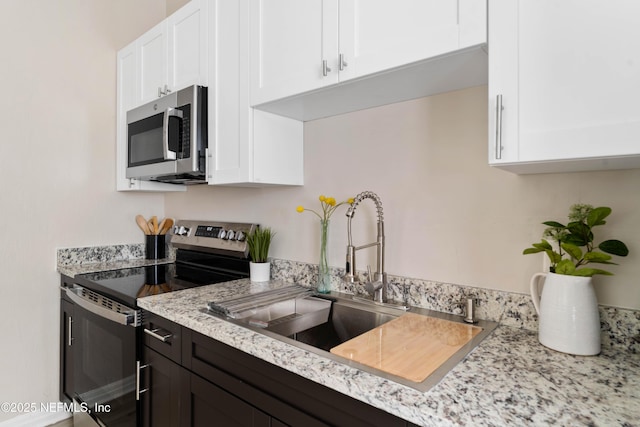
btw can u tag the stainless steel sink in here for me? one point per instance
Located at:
(345, 321)
(319, 323)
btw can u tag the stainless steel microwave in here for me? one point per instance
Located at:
(167, 138)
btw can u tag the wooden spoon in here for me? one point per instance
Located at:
(142, 223)
(168, 223)
(154, 222)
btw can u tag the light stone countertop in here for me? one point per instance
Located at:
(76, 269)
(509, 379)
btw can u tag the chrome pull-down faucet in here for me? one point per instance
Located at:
(377, 285)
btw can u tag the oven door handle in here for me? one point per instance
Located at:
(168, 113)
(122, 318)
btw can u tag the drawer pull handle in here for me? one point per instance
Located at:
(154, 333)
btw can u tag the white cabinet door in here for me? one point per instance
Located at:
(288, 46)
(187, 44)
(568, 74)
(173, 54)
(377, 35)
(153, 56)
(246, 147)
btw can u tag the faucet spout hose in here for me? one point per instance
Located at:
(366, 195)
(380, 276)
(352, 210)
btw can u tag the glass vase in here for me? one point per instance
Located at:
(324, 276)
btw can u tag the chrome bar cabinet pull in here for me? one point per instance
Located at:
(154, 333)
(325, 68)
(499, 109)
(138, 369)
(69, 331)
(342, 63)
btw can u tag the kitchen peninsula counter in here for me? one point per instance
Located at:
(509, 379)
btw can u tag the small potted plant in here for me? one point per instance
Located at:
(567, 306)
(259, 241)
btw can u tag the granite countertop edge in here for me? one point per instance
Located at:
(94, 267)
(549, 388)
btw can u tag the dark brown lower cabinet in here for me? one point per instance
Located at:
(161, 384)
(205, 404)
(213, 384)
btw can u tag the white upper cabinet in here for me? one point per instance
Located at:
(377, 35)
(247, 147)
(567, 76)
(153, 56)
(300, 46)
(188, 46)
(173, 54)
(290, 43)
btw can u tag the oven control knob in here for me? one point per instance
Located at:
(240, 236)
(222, 233)
(230, 235)
(182, 231)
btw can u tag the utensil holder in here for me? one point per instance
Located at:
(155, 246)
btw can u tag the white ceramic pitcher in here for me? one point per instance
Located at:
(568, 312)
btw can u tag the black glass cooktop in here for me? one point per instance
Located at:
(127, 284)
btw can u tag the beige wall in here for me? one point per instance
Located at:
(173, 5)
(448, 216)
(57, 167)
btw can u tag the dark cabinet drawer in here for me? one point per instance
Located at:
(162, 335)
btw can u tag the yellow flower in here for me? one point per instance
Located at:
(328, 205)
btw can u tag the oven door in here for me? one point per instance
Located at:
(104, 360)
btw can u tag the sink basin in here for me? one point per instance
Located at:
(321, 323)
(346, 321)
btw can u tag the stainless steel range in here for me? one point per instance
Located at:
(100, 350)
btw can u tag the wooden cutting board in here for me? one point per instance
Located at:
(411, 346)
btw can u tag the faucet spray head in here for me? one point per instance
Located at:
(350, 271)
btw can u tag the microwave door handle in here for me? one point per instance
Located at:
(169, 112)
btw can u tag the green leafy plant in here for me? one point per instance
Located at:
(570, 258)
(259, 241)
